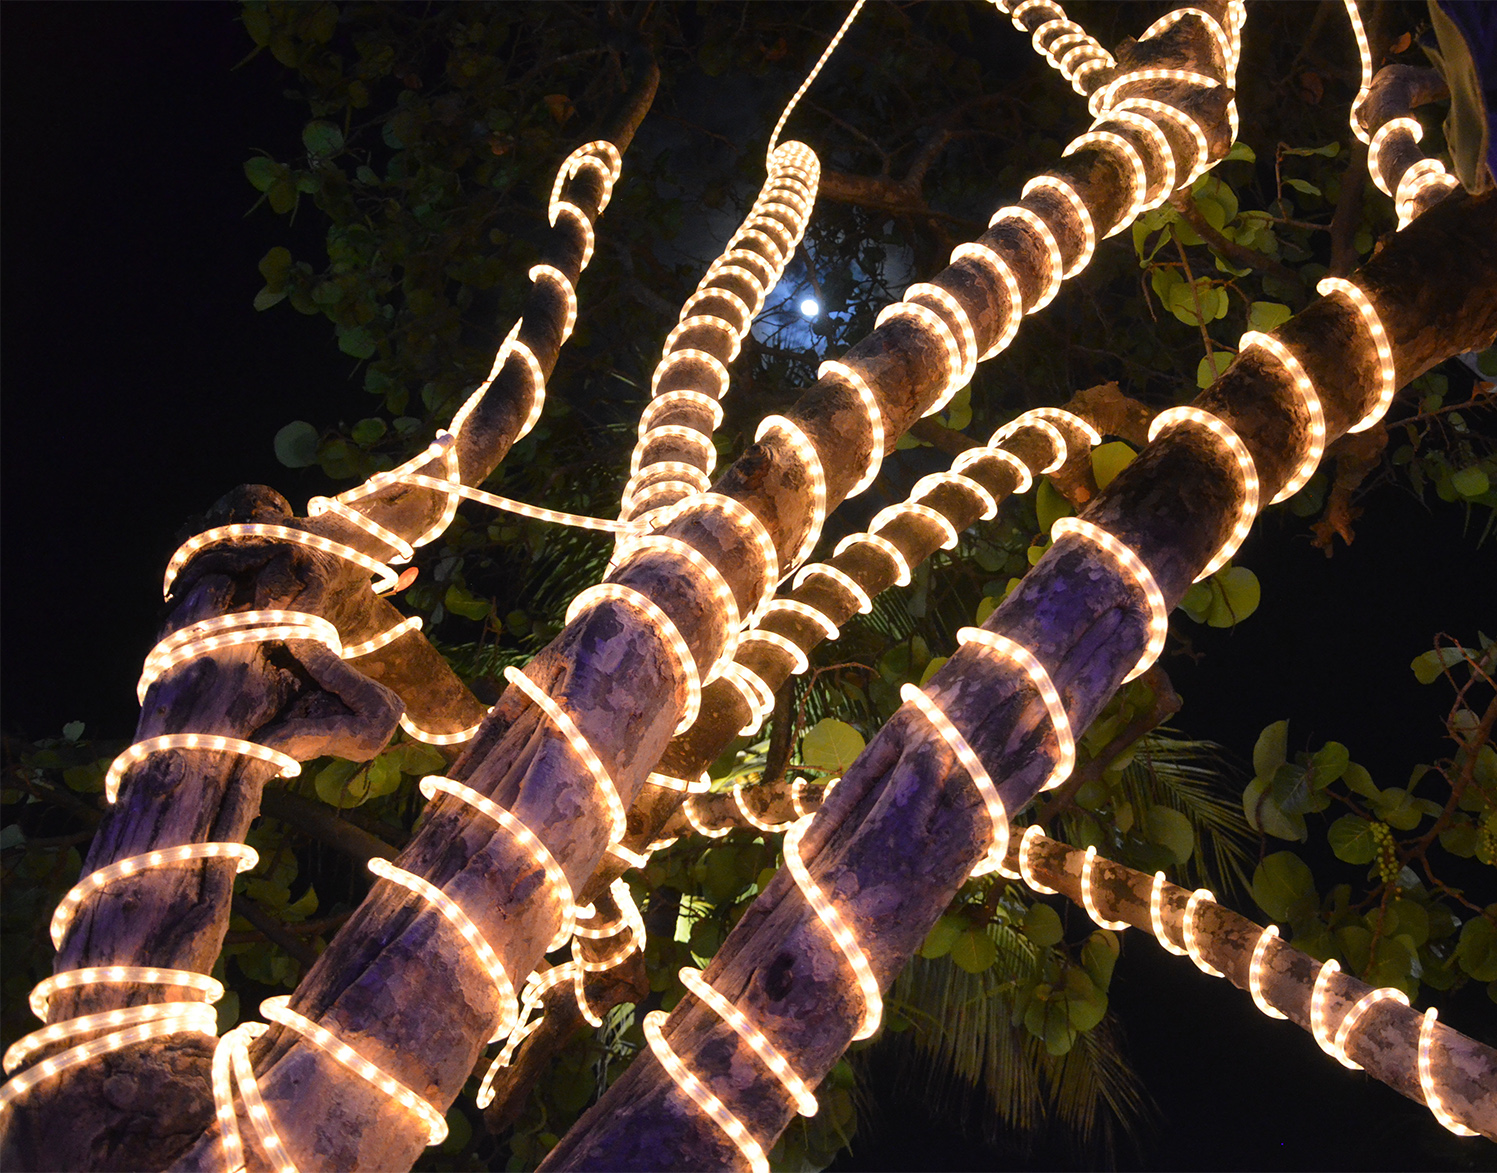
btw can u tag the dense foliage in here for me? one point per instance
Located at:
(432, 136)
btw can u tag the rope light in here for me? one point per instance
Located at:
(826, 912)
(810, 459)
(232, 1055)
(701, 786)
(222, 631)
(716, 585)
(664, 626)
(353, 651)
(1138, 174)
(700, 827)
(536, 987)
(523, 509)
(805, 611)
(278, 1010)
(1107, 97)
(202, 1020)
(995, 264)
(1255, 972)
(826, 55)
(430, 738)
(1079, 209)
(403, 550)
(1086, 893)
(1033, 419)
(769, 1055)
(1188, 931)
(1023, 477)
(70, 979)
(284, 533)
(1133, 566)
(1315, 448)
(1319, 993)
(752, 819)
(699, 1094)
(452, 912)
(1424, 174)
(1427, 1079)
(1027, 662)
(1164, 154)
(1027, 841)
(797, 787)
(756, 695)
(1352, 1016)
(1364, 52)
(1388, 382)
(244, 858)
(997, 815)
(579, 745)
(1184, 121)
(1174, 16)
(288, 767)
(1047, 239)
(1156, 916)
(1404, 125)
(857, 594)
(892, 513)
(1247, 471)
(875, 415)
(798, 660)
(22, 1049)
(885, 547)
(928, 484)
(741, 515)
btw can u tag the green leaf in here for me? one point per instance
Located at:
(357, 342)
(1329, 151)
(369, 431)
(942, 936)
(1268, 315)
(1240, 153)
(1264, 815)
(1303, 185)
(1397, 808)
(831, 745)
(73, 730)
(1477, 949)
(1272, 749)
(322, 138)
(974, 951)
(1238, 597)
(1086, 1005)
(1470, 482)
(1352, 840)
(1429, 667)
(1212, 367)
(1359, 781)
(1049, 505)
(461, 601)
(275, 265)
(1280, 883)
(1171, 830)
(984, 609)
(334, 786)
(1099, 955)
(1329, 762)
(262, 172)
(384, 775)
(1107, 461)
(1042, 925)
(296, 444)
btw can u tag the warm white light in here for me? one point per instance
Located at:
(483, 953)
(859, 597)
(283, 533)
(997, 815)
(430, 738)
(805, 1101)
(389, 636)
(665, 627)
(1388, 381)
(1315, 446)
(871, 408)
(1086, 893)
(1079, 209)
(1037, 421)
(1247, 473)
(1134, 567)
(1031, 836)
(1188, 931)
(1001, 269)
(71, 979)
(1351, 1017)
(287, 767)
(887, 516)
(1255, 973)
(826, 912)
(1027, 662)
(244, 858)
(580, 746)
(1427, 1079)
(1319, 994)
(224, 631)
(699, 1094)
(1047, 239)
(752, 819)
(279, 1011)
(885, 547)
(521, 508)
(809, 308)
(805, 452)
(1156, 916)
(701, 828)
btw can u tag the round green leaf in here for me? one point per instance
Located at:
(1280, 882)
(1042, 925)
(1238, 598)
(1108, 460)
(1352, 840)
(942, 936)
(1212, 367)
(1171, 830)
(1272, 749)
(831, 745)
(1268, 315)
(296, 444)
(1477, 949)
(1470, 482)
(322, 138)
(974, 950)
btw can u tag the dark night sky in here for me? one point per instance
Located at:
(140, 384)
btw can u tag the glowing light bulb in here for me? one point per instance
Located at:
(1134, 568)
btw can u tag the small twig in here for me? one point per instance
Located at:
(1195, 296)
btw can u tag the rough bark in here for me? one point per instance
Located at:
(141, 1106)
(904, 827)
(388, 983)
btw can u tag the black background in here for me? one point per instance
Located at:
(139, 384)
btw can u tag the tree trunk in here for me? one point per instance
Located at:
(895, 839)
